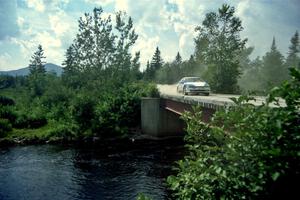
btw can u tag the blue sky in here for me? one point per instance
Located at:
(168, 24)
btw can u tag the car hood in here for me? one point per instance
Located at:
(196, 83)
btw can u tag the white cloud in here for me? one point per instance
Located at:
(123, 5)
(38, 5)
(60, 23)
(47, 40)
(100, 2)
(186, 44)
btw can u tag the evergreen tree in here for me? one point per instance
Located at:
(218, 43)
(135, 67)
(37, 64)
(154, 66)
(176, 69)
(273, 70)
(37, 73)
(69, 62)
(178, 59)
(71, 71)
(293, 59)
(146, 74)
(157, 61)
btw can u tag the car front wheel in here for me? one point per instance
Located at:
(184, 91)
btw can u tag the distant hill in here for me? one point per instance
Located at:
(25, 71)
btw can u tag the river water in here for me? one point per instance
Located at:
(57, 172)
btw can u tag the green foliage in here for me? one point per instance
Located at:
(154, 66)
(245, 152)
(118, 113)
(7, 81)
(219, 43)
(100, 53)
(141, 196)
(33, 121)
(83, 111)
(37, 69)
(273, 70)
(7, 112)
(64, 131)
(37, 65)
(5, 126)
(5, 101)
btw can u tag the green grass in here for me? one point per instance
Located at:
(42, 133)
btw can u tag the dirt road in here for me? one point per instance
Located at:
(218, 98)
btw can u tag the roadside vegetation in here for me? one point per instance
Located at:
(245, 152)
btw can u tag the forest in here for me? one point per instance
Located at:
(99, 92)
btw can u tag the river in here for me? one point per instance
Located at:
(51, 172)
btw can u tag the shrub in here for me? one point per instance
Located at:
(5, 127)
(65, 131)
(119, 112)
(83, 111)
(6, 112)
(246, 152)
(23, 121)
(5, 101)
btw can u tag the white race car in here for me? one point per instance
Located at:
(193, 85)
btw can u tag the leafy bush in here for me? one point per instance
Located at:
(83, 111)
(5, 126)
(118, 113)
(65, 131)
(24, 121)
(7, 112)
(5, 101)
(141, 196)
(246, 152)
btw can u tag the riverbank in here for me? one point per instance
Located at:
(40, 136)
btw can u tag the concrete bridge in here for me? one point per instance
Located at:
(161, 116)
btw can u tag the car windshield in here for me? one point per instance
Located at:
(193, 79)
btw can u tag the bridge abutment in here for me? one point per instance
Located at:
(159, 122)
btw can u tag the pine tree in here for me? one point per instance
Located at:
(157, 61)
(178, 59)
(69, 62)
(273, 70)
(146, 74)
(37, 65)
(293, 59)
(37, 73)
(176, 72)
(71, 72)
(155, 65)
(135, 67)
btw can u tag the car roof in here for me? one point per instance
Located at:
(190, 77)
